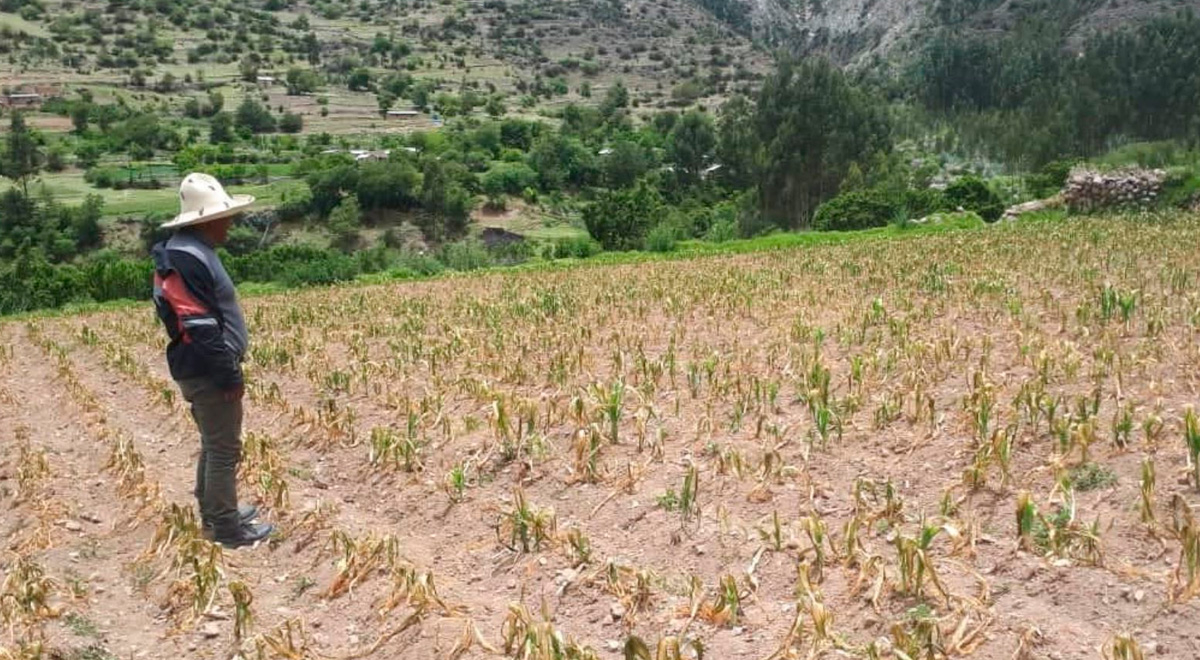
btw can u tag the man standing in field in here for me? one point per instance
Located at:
(197, 304)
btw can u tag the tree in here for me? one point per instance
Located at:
(291, 122)
(812, 124)
(216, 103)
(561, 160)
(615, 98)
(220, 128)
(253, 117)
(386, 100)
(737, 143)
(393, 184)
(344, 222)
(302, 81)
(248, 69)
(690, 145)
(23, 157)
(627, 162)
(359, 80)
(81, 114)
(495, 106)
(87, 154)
(191, 108)
(620, 219)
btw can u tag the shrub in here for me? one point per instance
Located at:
(1050, 179)
(858, 209)
(972, 194)
(661, 238)
(465, 255)
(922, 202)
(580, 247)
(619, 219)
(1181, 188)
(508, 178)
(100, 177)
(291, 122)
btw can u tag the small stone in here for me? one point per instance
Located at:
(1139, 595)
(613, 645)
(73, 526)
(700, 549)
(91, 517)
(354, 640)
(210, 630)
(617, 611)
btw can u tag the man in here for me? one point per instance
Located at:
(197, 303)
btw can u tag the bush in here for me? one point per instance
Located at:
(101, 177)
(972, 194)
(858, 209)
(465, 255)
(580, 247)
(291, 123)
(1049, 181)
(922, 202)
(619, 219)
(508, 178)
(661, 238)
(1181, 188)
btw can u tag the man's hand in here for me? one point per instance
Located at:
(234, 394)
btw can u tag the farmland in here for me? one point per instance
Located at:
(975, 443)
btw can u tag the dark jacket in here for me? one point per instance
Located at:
(197, 304)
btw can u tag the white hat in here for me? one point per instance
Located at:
(202, 198)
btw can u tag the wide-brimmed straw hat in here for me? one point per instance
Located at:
(202, 198)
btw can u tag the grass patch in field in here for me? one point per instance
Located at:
(89, 653)
(81, 625)
(1092, 476)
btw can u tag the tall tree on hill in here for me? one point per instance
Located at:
(812, 124)
(737, 143)
(690, 145)
(23, 157)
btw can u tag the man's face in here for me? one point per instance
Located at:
(218, 230)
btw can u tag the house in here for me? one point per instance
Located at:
(265, 81)
(21, 100)
(29, 96)
(362, 155)
(403, 114)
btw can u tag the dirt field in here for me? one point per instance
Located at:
(928, 447)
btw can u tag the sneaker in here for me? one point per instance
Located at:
(244, 534)
(247, 512)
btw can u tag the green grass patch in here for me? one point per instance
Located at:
(1091, 476)
(81, 625)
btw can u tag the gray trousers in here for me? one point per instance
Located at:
(220, 424)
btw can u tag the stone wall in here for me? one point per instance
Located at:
(1090, 190)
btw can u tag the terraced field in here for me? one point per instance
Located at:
(978, 443)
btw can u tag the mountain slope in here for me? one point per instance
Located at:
(857, 31)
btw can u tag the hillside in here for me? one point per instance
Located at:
(536, 53)
(857, 31)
